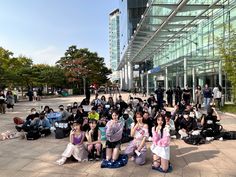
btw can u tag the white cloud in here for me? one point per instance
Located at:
(48, 55)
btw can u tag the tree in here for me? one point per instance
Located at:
(227, 50)
(81, 65)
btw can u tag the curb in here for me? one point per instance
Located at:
(229, 114)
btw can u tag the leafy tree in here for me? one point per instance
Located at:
(227, 50)
(81, 64)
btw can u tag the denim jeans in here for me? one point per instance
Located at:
(207, 102)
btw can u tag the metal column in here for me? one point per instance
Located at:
(185, 72)
(130, 76)
(194, 82)
(220, 73)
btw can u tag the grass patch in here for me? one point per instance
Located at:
(231, 108)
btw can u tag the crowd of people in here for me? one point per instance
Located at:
(98, 133)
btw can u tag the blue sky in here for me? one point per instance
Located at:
(44, 29)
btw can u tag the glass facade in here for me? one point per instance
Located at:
(130, 15)
(114, 43)
(180, 38)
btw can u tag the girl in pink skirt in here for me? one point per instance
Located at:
(137, 148)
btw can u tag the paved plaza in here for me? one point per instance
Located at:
(22, 158)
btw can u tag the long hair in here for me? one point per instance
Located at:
(163, 124)
(137, 113)
(95, 132)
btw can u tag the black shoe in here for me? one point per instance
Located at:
(90, 157)
(18, 128)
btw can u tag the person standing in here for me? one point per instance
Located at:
(198, 93)
(169, 93)
(178, 95)
(159, 93)
(217, 95)
(186, 95)
(207, 93)
(10, 100)
(2, 103)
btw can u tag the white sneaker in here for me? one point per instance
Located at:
(173, 136)
(61, 161)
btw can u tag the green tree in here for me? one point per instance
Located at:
(81, 65)
(227, 50)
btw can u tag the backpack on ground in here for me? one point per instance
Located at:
(194, 139)
(62, 129)
(33, 135)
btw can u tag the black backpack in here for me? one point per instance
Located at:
(33, 135)
(194, 139)
(62, 129)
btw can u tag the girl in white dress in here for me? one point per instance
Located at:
(161, 145)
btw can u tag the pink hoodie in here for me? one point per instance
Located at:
(157, 140)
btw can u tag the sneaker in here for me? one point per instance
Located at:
(173, 137)
(61, 161)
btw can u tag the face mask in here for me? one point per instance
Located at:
(34, 112)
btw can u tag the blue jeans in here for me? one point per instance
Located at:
(207, 102)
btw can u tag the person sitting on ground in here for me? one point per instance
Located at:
(170, 122)
(110, 102)
(68, 108)
(75, 147)
(161, 145)
(96, 101)
(64, 114)
(127, 122)
(94, 145)
(103, 100)
(187, 125)
(46, 110)
(74, 116)
(137, 148)
(93, 114)
(26, 124)
(114, 130)
(149, 121)
(209, 126)
(42, 124)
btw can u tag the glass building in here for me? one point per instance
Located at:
(179, 38)
(114, 43)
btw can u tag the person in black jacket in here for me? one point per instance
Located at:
(187, 124)
(169, 93)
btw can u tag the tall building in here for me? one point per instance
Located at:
(114, 43)
(130, 15)
(179, 37)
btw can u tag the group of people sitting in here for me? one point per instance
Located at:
(102, 130)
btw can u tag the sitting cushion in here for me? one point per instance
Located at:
(120, 162)
(161, 170)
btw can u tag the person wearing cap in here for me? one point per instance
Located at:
(68, 108)
(93, 114)
(64, 114)
(187, 124)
